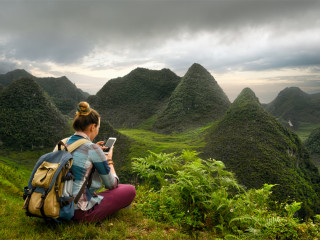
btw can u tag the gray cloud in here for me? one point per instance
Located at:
(6, 66)
(222, 35)
(65, 31)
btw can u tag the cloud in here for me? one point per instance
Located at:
(97, 40)
(67, 31)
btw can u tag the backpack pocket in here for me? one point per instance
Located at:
(44, 174)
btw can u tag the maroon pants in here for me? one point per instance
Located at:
(113, 200)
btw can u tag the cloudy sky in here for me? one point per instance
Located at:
(266, 45)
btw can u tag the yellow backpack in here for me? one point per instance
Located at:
(48, 194)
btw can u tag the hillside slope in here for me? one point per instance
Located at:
(63, 92)
(121, 152)
(313, 145)
(296, 106)
(197, 100)
(28, 117)
(258, 149)
(132, 99)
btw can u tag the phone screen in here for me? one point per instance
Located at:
(110, 142)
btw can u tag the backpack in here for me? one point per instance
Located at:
(49, 191)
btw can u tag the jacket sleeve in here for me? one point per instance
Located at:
(100, 163)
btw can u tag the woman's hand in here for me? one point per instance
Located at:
(101, 145)
(109, 153)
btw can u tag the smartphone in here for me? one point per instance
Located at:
(110, 142)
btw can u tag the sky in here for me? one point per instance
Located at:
(266, 45)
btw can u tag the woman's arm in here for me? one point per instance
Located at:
(109, 160)
(104, 165)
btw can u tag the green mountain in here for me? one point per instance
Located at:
(258, 149)
(28, 117)
(8, 78)
(121, 152)
(63, 92)
(313, 145)
(313, 141)
(296, 106)
(130, 100)
(197, 100)
(1, 88)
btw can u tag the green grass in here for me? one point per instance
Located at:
(155, 142)
(305, 130)
(14, 224)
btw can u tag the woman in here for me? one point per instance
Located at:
(89, 156)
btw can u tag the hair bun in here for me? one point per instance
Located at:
(83, 109)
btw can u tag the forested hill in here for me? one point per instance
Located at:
(258, 149)
(197, 100)
(28, 117)
(296, 106)
(9, 77)
(63, 92)
(313, 145)
(130, 100)
(313, 141)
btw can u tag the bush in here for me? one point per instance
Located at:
(198, 194)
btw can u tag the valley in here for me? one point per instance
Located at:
(161, 116)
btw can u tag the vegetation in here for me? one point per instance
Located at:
(197, 100)
(313, 142)
(145, 140)
(263, 187)
(297, 106)
(313, 145)
(128, 101)
(305, 129)
(28, 117)
(1, 88)
(196, 195)
(122, 149)
(14, 224)
(180, 196)
(259, 150)
(62, 91)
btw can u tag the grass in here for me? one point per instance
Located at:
(15, 169)
(305, 130)
(147, 140)
(14, 224)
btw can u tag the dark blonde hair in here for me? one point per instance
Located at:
(85, 116)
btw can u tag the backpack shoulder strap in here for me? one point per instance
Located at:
(63, 140)
(77, 144)
(74, 145)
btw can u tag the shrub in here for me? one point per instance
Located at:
(196, 194)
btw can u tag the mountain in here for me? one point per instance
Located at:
(28, 117)
(313, 141)
(259, 149)
(130, 100)
(121, 152)
(1, 88)
(8, 78)
(296, 106)
(63, 92)
(197, 100)
(313, 145)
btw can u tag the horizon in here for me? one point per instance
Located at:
(231, 99)
(264, 45)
